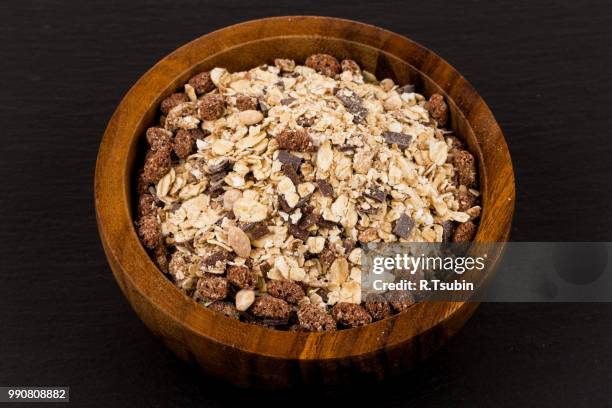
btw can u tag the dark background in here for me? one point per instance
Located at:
(542, 66)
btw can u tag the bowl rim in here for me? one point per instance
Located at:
(124, 250)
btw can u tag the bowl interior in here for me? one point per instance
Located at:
(245, 46)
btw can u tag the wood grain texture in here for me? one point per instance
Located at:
(268, 358)
(542, 67)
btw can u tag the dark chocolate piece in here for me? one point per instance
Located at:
(353, 104)
(290, 172)
(287, 158)
(448, 228)
(402, 140)
(376, 194)
(309, 219)
(325, 188)
(322, 223)
(403, 226)
(297, 232)
(287, 101)
(259, 231)
(408, 88)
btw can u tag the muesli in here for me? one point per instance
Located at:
(260, 187)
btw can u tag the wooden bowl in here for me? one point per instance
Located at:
(250, 355)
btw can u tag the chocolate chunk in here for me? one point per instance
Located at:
(248, 227)
(448, 227)
(290, 172)
(297, 232)
(259, 231)
(324, 64)
(202, 83)
(217, 177)
(225, 308)
(287, 101)
(402, 140)
(287, 158)
(465, 232)
(286, 290)
(212, 287)
(149, 231)
(295, 140)
(283, 205)
(325, 188)
(175, 207)
(242, 277)
(303, 201)
(269, 307)
(313, 318)
(210, 107)
(376, 194)
(408, 88)
(353, 104)
(350, 65)
(350, 315)
(466, 168)
(377, 306)
(403, 226)
(323, 223)
(215, 187)
(244, 102)
(437, 109)
(309, 219)
(173, 101)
